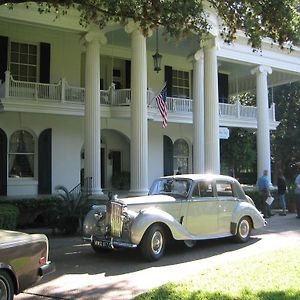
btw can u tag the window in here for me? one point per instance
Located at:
(180, 84)
(181, 156)
(23, 61)
(21, 154)
(224, 189)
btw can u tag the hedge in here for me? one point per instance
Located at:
(8, 216)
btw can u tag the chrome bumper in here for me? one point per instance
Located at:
(111, 243)
(46, 269)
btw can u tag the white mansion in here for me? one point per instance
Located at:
(80, 103)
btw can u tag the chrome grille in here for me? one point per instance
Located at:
(116, 219)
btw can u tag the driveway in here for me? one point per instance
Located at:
(120, 275)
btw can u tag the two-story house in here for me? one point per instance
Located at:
(79, 103)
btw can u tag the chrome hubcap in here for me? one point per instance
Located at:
(244, 228)
(157, 242)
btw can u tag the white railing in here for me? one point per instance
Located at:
(63, 92)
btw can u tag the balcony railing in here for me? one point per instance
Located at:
(62, 92)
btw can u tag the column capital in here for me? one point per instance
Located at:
(261, 69)
(95, 34)
(199, 55)
(132, 26)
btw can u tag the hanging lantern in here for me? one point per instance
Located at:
(157, 57)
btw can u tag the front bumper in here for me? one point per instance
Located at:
(46, 269)
(111, 243)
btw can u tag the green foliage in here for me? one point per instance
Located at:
(278, 20)
(67, 218)
(33, 211)
(8, 216)
(285, 140)
(238, 152)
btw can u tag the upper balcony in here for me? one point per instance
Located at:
(61, 98)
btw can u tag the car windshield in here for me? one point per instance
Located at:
(171, 186)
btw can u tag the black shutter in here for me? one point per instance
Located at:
(3, 163)
(127, 74)
(45, 162)
(168, 156)
(3, 56)
(168, 80)
(223, 87)
(45, 49)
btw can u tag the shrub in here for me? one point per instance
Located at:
(8, 216)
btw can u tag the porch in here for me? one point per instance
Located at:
(62, 98)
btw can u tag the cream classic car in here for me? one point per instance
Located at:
(182, 207)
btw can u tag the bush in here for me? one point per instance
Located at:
(8, 216)
(34, 212)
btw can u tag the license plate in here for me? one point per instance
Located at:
(104, 244)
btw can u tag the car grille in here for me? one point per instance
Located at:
(116, 219)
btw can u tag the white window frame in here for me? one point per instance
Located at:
(27, 65)
(178, 75)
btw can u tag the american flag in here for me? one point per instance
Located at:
(161, 100)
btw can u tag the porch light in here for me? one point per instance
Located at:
(157, 57)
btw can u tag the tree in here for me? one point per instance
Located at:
(278, 20)
(285, 140)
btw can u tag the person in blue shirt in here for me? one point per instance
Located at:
(264, 191)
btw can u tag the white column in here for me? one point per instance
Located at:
(263, 130)
(92, 130)
(198, 113)
(139, 124)
(211, 108)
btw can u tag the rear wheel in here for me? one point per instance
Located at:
(153, 243)
(243, 230)
(6, 286)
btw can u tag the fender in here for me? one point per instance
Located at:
(246, 209)
(149, 216)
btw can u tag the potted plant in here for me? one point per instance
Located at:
(67, 218)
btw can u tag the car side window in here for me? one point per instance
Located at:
(224, 189)
(203, 189)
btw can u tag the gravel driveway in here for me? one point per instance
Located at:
(120, 275)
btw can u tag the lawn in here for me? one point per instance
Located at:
(272, 276)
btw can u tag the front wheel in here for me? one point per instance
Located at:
(243, 230)
(6, 286)
(153, 243)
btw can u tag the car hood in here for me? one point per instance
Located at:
(151, 199)
(10, 238)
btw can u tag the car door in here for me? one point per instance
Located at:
(201, 217)
(227, 204)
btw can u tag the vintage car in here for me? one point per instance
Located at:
(23, 261)
(182, 207)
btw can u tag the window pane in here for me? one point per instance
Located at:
(32, 49)
(32, 59)
(14, 69)
(224, 189)
(21, 165)
(31, 71)
(23, 71)
(14, 57)
(24, 48)
(24, 58)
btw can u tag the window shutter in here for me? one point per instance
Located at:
(3, 56)
(45, 49)
(3, 163)
(127, 74)
(45, 162)
(168, 79)
(168, 156)
(223, 87)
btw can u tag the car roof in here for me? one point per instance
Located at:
(202, 176)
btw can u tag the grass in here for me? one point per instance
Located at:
(272, 276)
